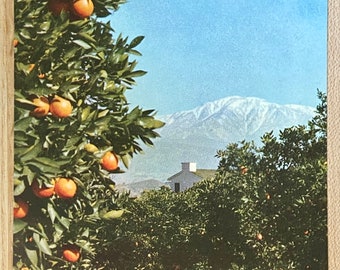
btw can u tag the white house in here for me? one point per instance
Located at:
(188, 176)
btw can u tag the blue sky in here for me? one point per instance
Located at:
(197, 50)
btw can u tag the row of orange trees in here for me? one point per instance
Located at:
(73, 130)
(266, 208)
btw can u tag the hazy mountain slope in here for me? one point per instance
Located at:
(234, 118)
(197, 134)
(136, 188)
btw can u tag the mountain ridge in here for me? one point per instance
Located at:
(196, 135)
(136, 188)
(234, 102)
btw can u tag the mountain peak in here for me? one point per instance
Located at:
(241, 107)
(198, 133)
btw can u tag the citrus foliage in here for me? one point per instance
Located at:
(265, 208)
(78, 72)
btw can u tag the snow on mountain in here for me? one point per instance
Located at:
(235, 118)
(195, 135)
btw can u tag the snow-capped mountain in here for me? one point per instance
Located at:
(195, 135)
(234, 118)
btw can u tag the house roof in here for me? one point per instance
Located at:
(175, 175)
(202, 173)
(205, 173)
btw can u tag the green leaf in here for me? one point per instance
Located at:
(19, 188)
(18, 225)
(39, 91)
(146, 140)
(82, 44)
(103, 113)
(65, 222)
(87, 37)
(85, 113)
(59, 230)
(51, 162)
(137, 73)
(25, 33)
(157, 124)
(103, 74)
(29, 174)
(32, 151)
(45, 25)
(136, 41)
(23, 123)
(150, 122)
(135, 52)
(32, 255)
(43, 246)
(126, 160)
(134, 114)
(25, 101)
(45, 165)
(52, 213)
(72, 142)
(113, 214)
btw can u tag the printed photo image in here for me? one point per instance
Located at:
(170, 134)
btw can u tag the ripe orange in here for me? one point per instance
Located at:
(71, 253)
(42, 107)
(30, 67)
(109, 161)
(41, 75)
(244, 169)
(259, 236)
(82, 8)
(21, 210)
(60, 107)
(57, 6)
(30, 239)
(42, 192)
(15, 42)
(65, 188)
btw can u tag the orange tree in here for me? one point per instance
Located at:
(264, 209)
(158, 232)
(281, 199)
(71, 75)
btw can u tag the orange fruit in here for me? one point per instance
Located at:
(244, 169)
(42, 107)
(15, 42)
(71, 253)
(42, 192)
(259, 236)
(82, 8)
(30, 239)
(21, 210)
(65, 188)
(60, 107)
(57, 6)
(109, 161)
(30, 67)
(41, 75)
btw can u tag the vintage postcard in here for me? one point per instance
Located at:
(172, 135)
